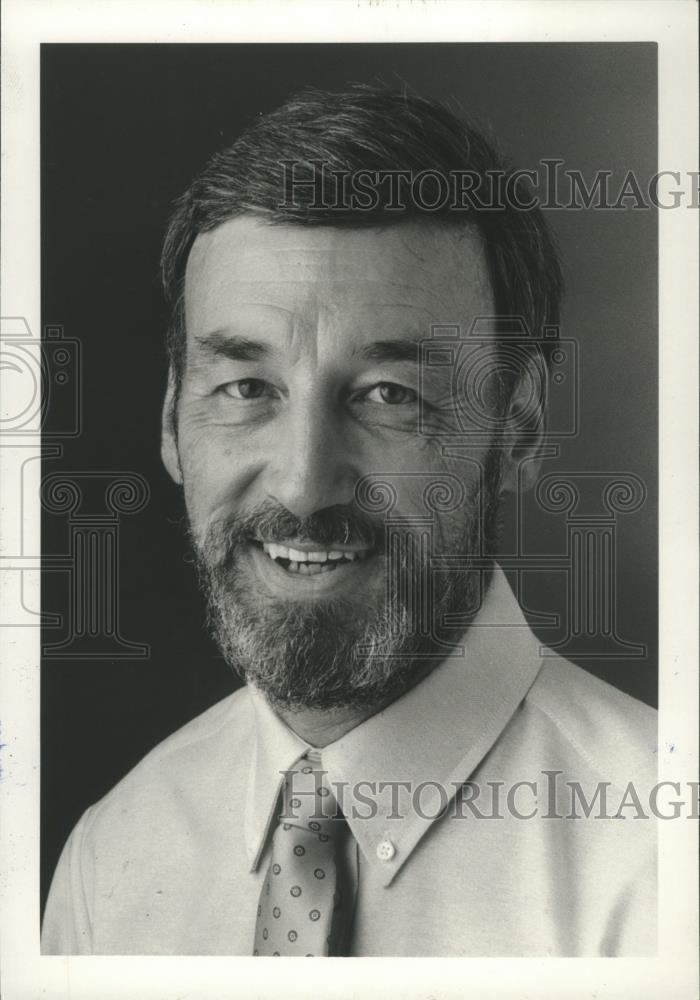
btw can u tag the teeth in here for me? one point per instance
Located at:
(301, 561)
(317, 557)
(296, 556)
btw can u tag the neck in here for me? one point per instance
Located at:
(321, 726)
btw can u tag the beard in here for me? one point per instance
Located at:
(364, 649)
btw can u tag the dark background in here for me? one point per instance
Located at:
(124, 128)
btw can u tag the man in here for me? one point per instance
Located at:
(396, 776)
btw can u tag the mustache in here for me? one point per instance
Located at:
(328, 528)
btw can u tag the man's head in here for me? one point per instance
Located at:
(296, 378)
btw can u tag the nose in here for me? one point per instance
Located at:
(313, 468)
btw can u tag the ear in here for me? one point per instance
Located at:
(526, 426)
(168, 442)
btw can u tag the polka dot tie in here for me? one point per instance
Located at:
(301, 910)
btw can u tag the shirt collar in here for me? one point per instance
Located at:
(438, 732)
(276, 749)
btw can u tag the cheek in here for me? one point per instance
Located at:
(215, 471)
(426, 459)
(430, 484)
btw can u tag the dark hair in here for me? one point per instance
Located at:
(366, 128)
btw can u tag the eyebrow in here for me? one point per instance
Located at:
(391, 350)
(234, 348)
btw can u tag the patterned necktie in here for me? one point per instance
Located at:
(301, 909)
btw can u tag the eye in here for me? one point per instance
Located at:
(391, 393)
(247, 388)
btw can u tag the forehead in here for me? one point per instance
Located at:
(436, 273)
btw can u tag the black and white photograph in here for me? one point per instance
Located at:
(349, 460)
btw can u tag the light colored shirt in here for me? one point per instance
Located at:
(172, 860)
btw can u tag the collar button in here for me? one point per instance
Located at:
(385, 850)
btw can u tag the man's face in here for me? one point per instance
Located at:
(301, 379)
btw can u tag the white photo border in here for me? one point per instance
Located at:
(673, 26)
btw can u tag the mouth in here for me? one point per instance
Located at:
(304, 559)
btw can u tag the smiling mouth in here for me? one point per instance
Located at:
(310, 561)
